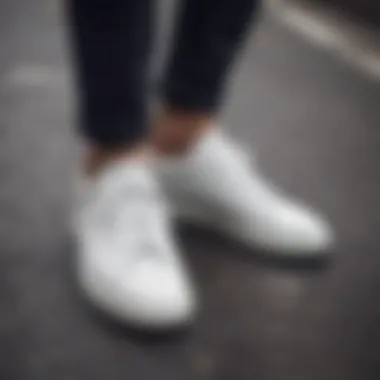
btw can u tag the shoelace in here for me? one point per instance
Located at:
(140, 218)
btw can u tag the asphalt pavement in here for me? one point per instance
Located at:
(314, 123)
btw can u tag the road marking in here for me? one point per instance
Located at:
(356, 45)
(34, 75)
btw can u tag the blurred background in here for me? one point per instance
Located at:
(306, 96)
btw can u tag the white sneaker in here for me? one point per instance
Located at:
(215, 184)
(128, 264)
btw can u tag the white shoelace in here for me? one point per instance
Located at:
(136, 217)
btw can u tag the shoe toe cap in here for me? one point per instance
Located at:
(150, 296)
(309, 232)
(161, 297)
(301, 230)
(292, 229)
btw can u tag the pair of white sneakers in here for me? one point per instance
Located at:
(128, 262)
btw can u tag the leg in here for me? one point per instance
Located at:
(213, 183)
(112, 47)
(209, 34)
(112, 44)
(127, 261)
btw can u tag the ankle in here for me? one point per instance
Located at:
(98, 158)
(176, 131)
